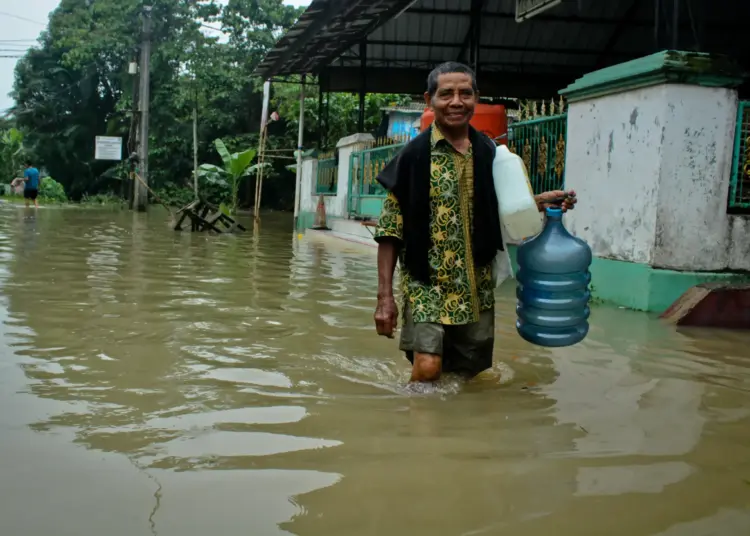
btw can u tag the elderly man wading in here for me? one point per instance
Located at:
(440, 221)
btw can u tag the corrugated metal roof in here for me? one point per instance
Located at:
(565, 41)
(324, 29)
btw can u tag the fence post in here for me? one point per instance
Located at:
(346, 146)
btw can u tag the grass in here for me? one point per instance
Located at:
(99, 200)
(19, 200)
(103, 200)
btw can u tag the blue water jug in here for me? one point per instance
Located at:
(553, 286)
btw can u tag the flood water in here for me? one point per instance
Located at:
(153, 382)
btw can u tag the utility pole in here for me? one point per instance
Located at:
(133, 141)
(141, 194)
(195, 149)
(300, 142)
(261, 155)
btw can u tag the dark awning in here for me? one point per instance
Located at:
(399, 41)
(326, 29)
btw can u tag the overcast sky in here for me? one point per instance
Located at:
(20, 24)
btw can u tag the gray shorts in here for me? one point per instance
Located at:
(465, 349)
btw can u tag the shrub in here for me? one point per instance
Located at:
(108, 199)
(52, 191)
(173, 195)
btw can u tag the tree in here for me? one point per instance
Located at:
(11, 154)
(75, 86)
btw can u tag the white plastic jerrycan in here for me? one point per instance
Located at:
(519, 214)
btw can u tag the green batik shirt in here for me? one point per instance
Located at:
(458, 291)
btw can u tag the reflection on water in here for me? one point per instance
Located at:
(161, 383)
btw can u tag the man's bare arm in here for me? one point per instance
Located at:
(388, 250)
(386, 313)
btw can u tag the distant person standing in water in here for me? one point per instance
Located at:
(440, 221)
(31, 188)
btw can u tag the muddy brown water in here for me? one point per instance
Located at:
(162, 383)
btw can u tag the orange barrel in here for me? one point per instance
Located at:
(488, 118)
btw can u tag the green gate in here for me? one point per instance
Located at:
(327, 179)
(540, 143)
(739, 188)
(366, 196)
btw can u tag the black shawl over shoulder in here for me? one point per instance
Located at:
(407, 176)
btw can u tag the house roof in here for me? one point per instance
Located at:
(404, 39)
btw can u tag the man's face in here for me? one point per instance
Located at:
(454, 100)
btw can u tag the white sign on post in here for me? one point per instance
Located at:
(108, 148)
(525, 9)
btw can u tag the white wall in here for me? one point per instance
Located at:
(336, 205)
(651, 168)
(612, 162)
(308, 197)
(739, 243)
(307, 200)
(692, 225)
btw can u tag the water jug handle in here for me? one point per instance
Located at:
(499, 139)
(558, 201)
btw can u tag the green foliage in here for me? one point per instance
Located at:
(75, 86)
(174, 195)
(11, 154)
(236, 167)
(103, 200)
(52, 191)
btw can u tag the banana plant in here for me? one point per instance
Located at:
(11, 153)
(236, 167)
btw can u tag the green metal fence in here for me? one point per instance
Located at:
(540, 143)
(366, 195)
(327, 181)
(739, 188)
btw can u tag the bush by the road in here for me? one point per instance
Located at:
(52, 191)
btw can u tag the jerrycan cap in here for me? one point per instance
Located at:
(554, 212)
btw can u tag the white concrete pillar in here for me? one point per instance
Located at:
(336, 204)
(649, 152)
(308, 199)
(346, 146)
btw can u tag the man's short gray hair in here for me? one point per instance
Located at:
(449, 67)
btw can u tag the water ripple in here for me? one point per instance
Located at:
(148, 371)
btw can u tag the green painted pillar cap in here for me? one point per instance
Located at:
(668, 66)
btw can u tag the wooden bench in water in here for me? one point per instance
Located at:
(204, 216)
